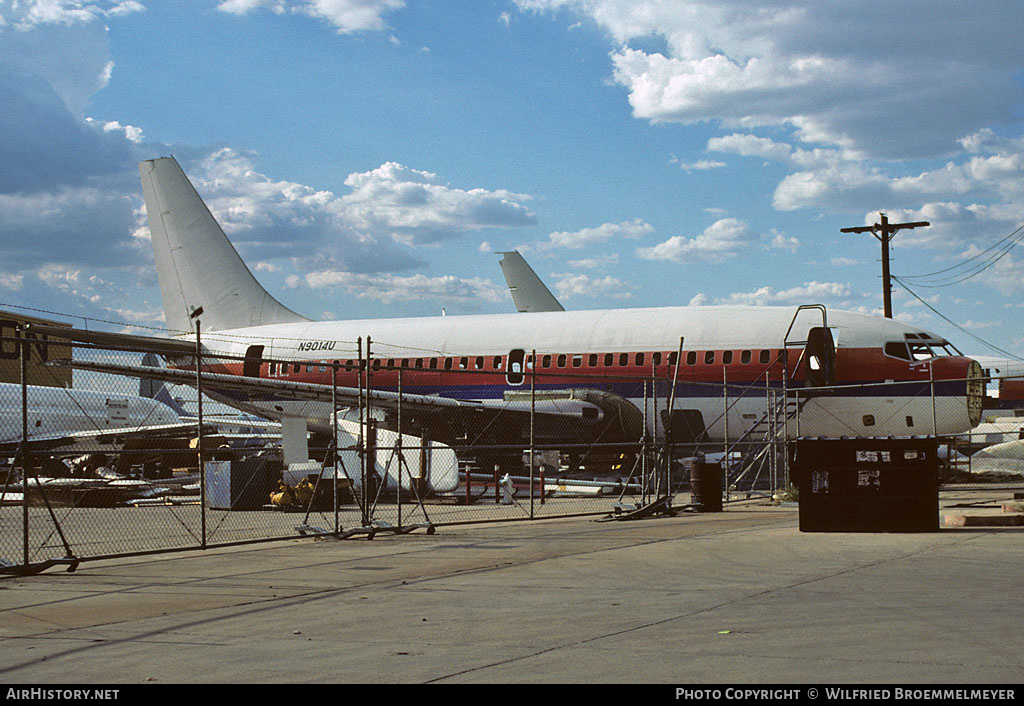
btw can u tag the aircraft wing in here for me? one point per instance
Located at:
(264, 387)
(575, 415)
(99, 440)
(107, 339)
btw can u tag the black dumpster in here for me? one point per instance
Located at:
(867, 485)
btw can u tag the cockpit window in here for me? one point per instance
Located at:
(897, 349)
(920, 351)
(914, 350)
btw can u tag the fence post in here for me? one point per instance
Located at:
(770, 417)
(785, 416)
(533, 407)
(334, 419)
(725, 421)
(655, 465)
(363, 438)
(199, 443)
(669, 448)
(23, 352)
(400, 455)
(645, 484)
(931, 385)
(357, 496)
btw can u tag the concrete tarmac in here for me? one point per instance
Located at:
(738, 597)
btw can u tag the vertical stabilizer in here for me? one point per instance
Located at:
(528, 291)
(197, 265)
(156, 390)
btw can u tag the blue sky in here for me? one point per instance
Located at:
(368, 157)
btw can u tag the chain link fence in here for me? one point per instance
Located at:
(96, 465)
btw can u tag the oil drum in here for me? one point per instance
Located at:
(706, 486)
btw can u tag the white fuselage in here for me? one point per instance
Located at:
(468, 357)
(607, 356)
(55, 411)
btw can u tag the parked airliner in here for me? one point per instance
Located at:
(60, 418)
(1008, 374)
(587, 373)
(1005, 376)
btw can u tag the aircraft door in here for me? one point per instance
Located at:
(515, 370)
(253, 360)
(820, 356)
(686, 426)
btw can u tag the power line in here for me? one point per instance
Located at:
(963, 271)
(955, 324)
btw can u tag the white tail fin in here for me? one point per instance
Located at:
(197, 265)
(158, 391)
(528, 290)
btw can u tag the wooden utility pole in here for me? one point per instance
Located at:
(885, 231)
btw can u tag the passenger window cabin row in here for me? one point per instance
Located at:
(547, 361)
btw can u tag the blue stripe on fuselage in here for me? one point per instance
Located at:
(637, 390)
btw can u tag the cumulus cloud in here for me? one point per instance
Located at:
(807, 65)
(670, 89)
(991, 170)
(810, 291)
(856, 185)
(346, 16)
(130, 132)
(28, 14)
(796, 84)
(245, 201)
(751, 146)
(590, 263)
(702, 165)
(44, 145)
(416, 207)
(69, 191)
(573, 285)
(1006, 275)
(70, 180)
(782, 242)
(630, 230)
(389, 288)
(64, 177)
(78, 224)
(390, 209)
(953, 226)
(720, 241)
(61, 43)
(11, 281)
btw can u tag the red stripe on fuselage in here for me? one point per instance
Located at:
(853, 365)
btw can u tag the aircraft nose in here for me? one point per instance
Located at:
(975, 391)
